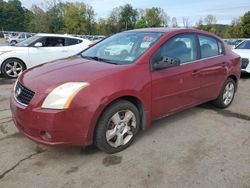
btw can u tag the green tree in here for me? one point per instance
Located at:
(245, 22)
(235, 30)
(39, 21)
(210, 20)
(101, 27)
(90, 19)
(141, 21)
(12, 15)
(74, 18)
(113, 21)
(127, 17)
(156, 17)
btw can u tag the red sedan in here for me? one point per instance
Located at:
(109, 92)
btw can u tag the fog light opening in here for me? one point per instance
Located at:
(46, 135)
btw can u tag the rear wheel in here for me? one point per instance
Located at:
(13, 43)
(227, 94)
(117, 127)
(12, 68)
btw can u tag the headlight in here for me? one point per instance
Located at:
(61, 96)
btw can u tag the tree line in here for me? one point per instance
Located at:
(80, 18)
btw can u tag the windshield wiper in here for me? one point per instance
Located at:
(100, 59)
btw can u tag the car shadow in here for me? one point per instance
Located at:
(6, 81)
(245, 76)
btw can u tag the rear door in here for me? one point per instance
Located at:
(213, 71)
(176, 88)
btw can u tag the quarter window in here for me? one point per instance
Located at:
(71, 41)
(210, 46)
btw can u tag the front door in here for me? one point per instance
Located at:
(53, 48)
(176, 88)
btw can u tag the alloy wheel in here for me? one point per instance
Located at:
(228, 93)
(121, 128)
(13, 69)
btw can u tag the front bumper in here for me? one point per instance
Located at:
(245, 65)
(66, 127)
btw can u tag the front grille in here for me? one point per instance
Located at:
(244, 63)
(23, 94)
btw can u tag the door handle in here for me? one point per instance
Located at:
(223, 64)
(64, 50)
(195, 72)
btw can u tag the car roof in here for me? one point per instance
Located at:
(57, 35)
(167, 30)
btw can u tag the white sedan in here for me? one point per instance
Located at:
(243, 49)
(38, 49)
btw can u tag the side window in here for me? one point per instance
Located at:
(22, 36)
(71, 41)
(210, 46)
(182, 47)
(54, 42)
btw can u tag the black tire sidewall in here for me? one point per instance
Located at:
(6, 62)
(219, 101)
(100, 133)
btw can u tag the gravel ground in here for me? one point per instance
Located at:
(200, 147)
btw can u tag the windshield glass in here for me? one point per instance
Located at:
(244, 45)
(28, 41)
(122, 48)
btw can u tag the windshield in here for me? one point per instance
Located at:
(28, 41)
(122, 48)
(244, 45)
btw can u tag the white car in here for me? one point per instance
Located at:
(13, 40)
(243, 49)
(38, 49)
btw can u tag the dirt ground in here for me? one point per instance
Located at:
(200, 147)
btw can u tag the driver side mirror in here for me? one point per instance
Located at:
(38, 44)
(166, 62)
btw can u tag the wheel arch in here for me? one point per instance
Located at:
(234, 79)
(16, 59)
(133, 99)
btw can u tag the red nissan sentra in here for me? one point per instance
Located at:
(109, 92)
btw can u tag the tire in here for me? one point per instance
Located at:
(12, 68)
(13, 43)
(114, 131)
(226, 95)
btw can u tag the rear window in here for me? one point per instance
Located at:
(210, 46)
(244, 45)
(71, 41)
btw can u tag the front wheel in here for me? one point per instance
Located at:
(227, 94)
(117, 127)
(13, 43)
(12, 68)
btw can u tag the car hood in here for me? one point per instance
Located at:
(45, 77)
(244, 53)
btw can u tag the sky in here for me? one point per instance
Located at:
(224, 10)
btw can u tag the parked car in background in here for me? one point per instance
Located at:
(233, 42)
(13, 40)
(38, 49)
(106, 98)
(7, 36)
(243, 49)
